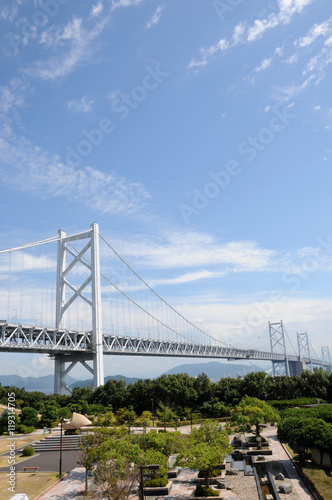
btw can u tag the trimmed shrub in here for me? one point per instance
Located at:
(156, 483)
(214, 473)
(203, 491)
(28, 451)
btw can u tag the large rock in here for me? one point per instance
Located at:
(285, 488)
(232, 472)
(280, 477)
(221, 484)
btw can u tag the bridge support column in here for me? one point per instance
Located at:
(92, 296)
(277, 340)
(98, 362)
(296, 367)
(59, 375)
(61, 371)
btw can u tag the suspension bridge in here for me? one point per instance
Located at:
(100, 306)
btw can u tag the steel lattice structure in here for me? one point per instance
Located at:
(25, 338)
(71, 347)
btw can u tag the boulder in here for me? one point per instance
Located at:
(285, 488)
(232, 472)
(280, 477)
(221, 484)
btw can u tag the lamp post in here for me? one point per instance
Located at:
(60, 461)
(164, 418)
(141, 482)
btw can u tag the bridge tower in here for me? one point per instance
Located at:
(277, 339)
(326, 356)
(92, 296)
(303, 346)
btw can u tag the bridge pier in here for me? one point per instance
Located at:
(296, 367)
(60, 370)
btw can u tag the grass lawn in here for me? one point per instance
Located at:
(322, 479)
(21, 441)
(30, 483)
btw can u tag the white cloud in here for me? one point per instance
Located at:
(26, 167)
(238, 33)
(242, 33)
(197, 249)
(155, 18)
(9, 13)
(260, 26)
(208, 53)
(288, 92)
(264, 65)
(118, 4)
(97, 9)
(80, 44)
(82, 106)
(316, 31)
(187, 278)
(292, 59)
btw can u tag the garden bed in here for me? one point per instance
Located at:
(156, 491)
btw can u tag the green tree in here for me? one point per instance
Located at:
(125, 416)
(49, 414)
(252, 411)
(29, 417)
(208, 447)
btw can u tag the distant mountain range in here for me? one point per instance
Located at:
(214, 370)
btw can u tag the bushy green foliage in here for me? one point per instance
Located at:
(207, 448)
(214, 473)
(203, 491)
(29, 417)
(28, 451)
(159, 482)
(23, 429)
(324, 412)
(252, 411)
(292, 403)
(306, 433)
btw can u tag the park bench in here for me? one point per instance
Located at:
(26, 468)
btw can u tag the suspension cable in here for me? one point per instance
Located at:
(159, 297)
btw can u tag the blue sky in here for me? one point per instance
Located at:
(196, 133)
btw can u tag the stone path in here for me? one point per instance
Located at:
(280, 460)
(68, 488)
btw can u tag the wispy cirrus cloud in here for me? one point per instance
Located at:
(266, 63)
(173, 249)
(323, 29)
(155, 18)
(207, 53)
(187, 278)
(243, 33)
(83, 105)
(77, 43)
(118, 4)
(26, 167)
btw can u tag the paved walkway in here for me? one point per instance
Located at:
(281, 457)
(68, 488)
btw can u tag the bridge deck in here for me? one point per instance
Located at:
(27, 338)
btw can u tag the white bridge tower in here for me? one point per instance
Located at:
(92, 296)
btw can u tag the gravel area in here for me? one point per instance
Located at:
(244, 487)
